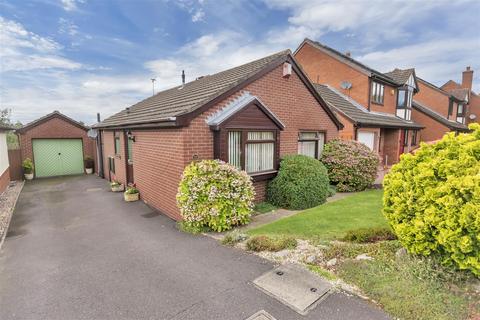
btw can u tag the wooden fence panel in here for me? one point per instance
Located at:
(15, 160)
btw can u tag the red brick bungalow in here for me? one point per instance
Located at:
(249, 115)
(4, 164)
(57, 145)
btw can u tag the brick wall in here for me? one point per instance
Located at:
(432, 98)
(4, 180)
(434, 130)
(473, 108)
(160, 156)
(54, 128)
(325, 69)
(391, 145)
(348, 131)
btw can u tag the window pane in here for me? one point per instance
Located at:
(234, 145)
(308, 135)
(117, 145)
(259, 157)
(130, 146)
(401, 113)
(401, 98)
(321, 142)
(381, 93)
(409, 98)
(307, 148)
(260, 135)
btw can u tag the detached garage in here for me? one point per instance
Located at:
(56, 144)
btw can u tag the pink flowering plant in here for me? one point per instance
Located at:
(351, 165)
(216, 195)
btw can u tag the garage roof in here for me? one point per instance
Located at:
(54, 114)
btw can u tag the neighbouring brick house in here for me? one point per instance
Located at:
(465, 89)
(249, 115)
(439, 111)
(4, 164)
(374, 107)
(57, 145)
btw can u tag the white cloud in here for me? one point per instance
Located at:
(23, 50)
(70, 5)
(67, 26)
(199, 15)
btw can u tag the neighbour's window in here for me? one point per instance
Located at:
(404, 103)
(117, 145)
(414, 138)
(258, 148)
(129, 147)
(311, 144)
(111, 164)
(461, 113)
(377, 92)
(405, 137)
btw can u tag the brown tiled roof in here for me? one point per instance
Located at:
(399, 75)
(452, 125)
(349, 59)
(460, 94)
(358, 113)
(54, 114)
(181, 100)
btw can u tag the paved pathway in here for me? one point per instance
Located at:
(76, 251)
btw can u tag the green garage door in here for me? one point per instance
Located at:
(57, 157)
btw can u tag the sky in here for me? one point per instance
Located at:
(87, 56)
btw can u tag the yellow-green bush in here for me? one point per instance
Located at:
(432, 200)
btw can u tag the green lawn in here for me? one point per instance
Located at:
(330, 220)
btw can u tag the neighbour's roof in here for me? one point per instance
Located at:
(460, 94)
(6, 127)
(453, 125)
(358, 113)
(54, 114)
(174, 106)
(349, 60)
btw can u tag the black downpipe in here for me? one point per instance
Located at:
(100, 150)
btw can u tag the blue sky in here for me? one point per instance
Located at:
(84, 56)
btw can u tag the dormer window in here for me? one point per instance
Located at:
(377, 92)
(404, 103)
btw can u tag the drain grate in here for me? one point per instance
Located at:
(294, 286)
(261, 315)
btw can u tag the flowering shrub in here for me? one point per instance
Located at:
(302, 182)
(216, 195)
(351, 165)
(432, 200)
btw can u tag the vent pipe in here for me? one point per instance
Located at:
(183, 77)
(98, 116)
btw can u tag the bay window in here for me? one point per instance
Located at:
(377, 92)
(311, 144)
(252, 151)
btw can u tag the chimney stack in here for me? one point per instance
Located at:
(183, 76)
(98, 116)
(467, 78)
(348, 54)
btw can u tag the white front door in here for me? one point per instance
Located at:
(367, 138)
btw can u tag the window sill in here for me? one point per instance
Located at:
(262, 176)
(378, 103)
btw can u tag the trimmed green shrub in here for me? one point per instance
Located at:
(351, 165)
(265, 243)
(365, 235)
(432, 200)
(216, 195)
(301, 183)
(27, 166)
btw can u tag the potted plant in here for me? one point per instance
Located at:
(88, 165)
(116, 186)
(132, 194)
(27, 166)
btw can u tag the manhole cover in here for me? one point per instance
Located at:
(261, 315)
(294, 286)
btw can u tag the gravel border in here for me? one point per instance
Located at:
(8, 200)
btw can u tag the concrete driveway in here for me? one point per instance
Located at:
(77, 251)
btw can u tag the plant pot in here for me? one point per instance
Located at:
(129, 197)
(119, 188)
(28, 176)
(89, 170)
